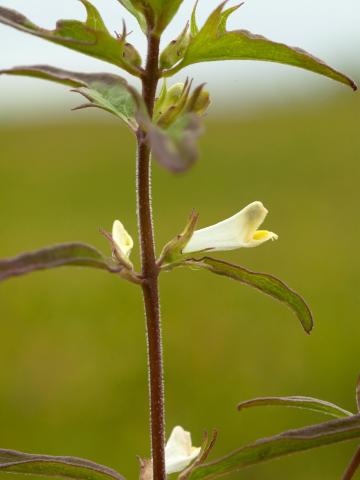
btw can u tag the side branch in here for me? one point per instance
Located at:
(353, 467)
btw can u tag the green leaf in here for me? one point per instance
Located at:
(164, 11)
(358, 394)
(174, 145)
(135, 8)
(90, 37)
(138, 14)
(264, 282)
(194, 29)
(214, 42)
(306, 403)
(104, 90)
(286, 443)
(152, 15)
(50, 466)
(66, 254)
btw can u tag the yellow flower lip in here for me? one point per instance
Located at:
(238, 231)
(260, 234)
(264, 235)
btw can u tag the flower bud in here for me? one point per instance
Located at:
(175, 51)
(177, 101)
(199, 102)
(171, 103)
(131, 55)
(174, 94)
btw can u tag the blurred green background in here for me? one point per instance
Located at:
(73, 358)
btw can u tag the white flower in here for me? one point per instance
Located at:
(179, 452)
(238, 231)
(122, 240)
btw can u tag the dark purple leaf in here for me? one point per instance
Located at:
(293, 441)
(306, 403)
(67, 254)
(51, 466)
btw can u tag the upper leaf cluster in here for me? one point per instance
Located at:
(171, 134)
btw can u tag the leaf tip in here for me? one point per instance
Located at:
(350, 82)
(308, 324)
(309, 329)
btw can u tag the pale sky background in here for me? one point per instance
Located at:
(329, 29)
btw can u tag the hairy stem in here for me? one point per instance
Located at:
(150, 271)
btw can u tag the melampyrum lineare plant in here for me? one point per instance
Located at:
(166, 120)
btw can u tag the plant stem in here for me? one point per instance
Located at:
(353, 467)
(150, 271)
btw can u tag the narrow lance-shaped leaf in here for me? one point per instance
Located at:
(51, 466)
(90, 37)
(194, 29)
(67, 254)
(165, 11)
(213, 42)
(358, 394)
(264, 282)
(138, 14)
(286, 443)
(103, 90)
(306, 403)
